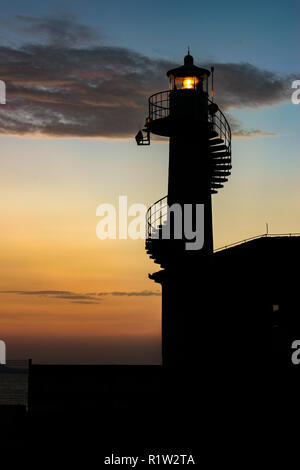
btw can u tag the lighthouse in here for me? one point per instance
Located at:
(199, 165)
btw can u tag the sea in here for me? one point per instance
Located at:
(14, 383)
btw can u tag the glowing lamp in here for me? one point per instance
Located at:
(188, 76)
(190, 82)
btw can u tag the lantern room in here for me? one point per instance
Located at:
(189, 76)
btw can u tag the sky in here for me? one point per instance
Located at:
(78, 75)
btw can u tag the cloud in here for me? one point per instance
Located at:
(37, 292)
(143, 293)
(74, 297)
(59, 88)
(245, 85)
(242, 134)
(239, 132)
(57, 294)
(58, 32)
(79, 298)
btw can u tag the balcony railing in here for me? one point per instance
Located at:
(256, 237)
(156, 216)
(159, 105)
(159, 108)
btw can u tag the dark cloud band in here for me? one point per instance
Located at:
(79, 298)
(60, 88)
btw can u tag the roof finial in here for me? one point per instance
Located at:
(188, 60)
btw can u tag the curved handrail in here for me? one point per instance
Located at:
(151, 222)
(159, 107)
(256, 237)
(156, 108)
(220, 122)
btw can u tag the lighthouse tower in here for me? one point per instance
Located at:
(199, 165)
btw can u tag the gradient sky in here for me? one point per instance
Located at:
(78, 76)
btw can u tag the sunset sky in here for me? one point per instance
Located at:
(78, 75)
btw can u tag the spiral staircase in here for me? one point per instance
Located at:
(219, 144)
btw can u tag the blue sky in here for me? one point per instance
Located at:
(263, 33)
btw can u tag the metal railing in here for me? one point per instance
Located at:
(156, 215)
(221, 126)
(159, 105)
(264, 235)
(159, 108)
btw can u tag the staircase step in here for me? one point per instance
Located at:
(219, 180)
(213, 142)
(219, 161)
(220, 173)
(217, 148)
(220, 154)
(225, 174)
(223, 167)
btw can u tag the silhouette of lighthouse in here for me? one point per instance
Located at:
(199, 165)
